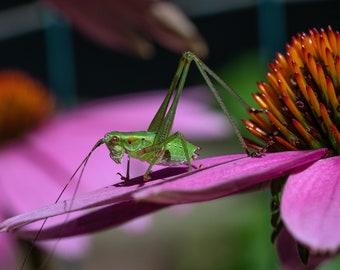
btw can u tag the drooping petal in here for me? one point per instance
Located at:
(289, 257)
(217, 177)
(310, 205)
(131, 25)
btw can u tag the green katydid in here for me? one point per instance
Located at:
(156, 146)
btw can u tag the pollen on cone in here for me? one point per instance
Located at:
(300, 82)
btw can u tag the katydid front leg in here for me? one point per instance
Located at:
(127, 176)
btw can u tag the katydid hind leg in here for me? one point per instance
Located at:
(152, 163)
(177, 85)
(178, 82)
(164, 127)
(163, 121)
(205, 71)
(159, 116)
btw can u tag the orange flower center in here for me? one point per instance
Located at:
(24, 103)
(300, 103)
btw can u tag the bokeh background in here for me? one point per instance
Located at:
(243, 36)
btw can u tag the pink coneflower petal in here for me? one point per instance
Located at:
(310, 205)
(289, 256)
(221, 179)
(217, 177)
(95, 221)
(8, 258)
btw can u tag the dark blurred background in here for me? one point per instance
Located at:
(241, 26)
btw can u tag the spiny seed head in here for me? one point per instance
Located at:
(300, 102)
(24, 103)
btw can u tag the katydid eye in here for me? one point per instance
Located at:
(114, 139)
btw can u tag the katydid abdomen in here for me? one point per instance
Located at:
(172, 151)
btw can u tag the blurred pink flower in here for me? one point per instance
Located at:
(129, 25)
(36, 166)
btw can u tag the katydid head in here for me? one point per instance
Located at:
(114, 144)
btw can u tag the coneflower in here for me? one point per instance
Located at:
(300, 102)
(300, 110)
